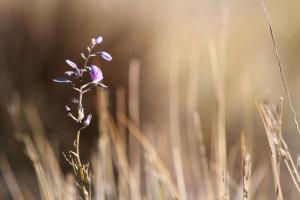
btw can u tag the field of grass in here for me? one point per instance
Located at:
(201, 103)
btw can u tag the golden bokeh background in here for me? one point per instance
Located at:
(174, 43)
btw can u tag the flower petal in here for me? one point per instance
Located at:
(61, 80)
(96, 74)
(71, 64)
(106, 56)
(99, 39)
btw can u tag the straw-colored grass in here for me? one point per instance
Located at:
(128, 162)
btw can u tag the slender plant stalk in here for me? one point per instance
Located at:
(75, 78)
(280, 67)
(246, 169)
(83, 190)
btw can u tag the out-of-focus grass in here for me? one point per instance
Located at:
(196, 60)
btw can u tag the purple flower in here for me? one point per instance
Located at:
(106, 56)
(96, 74)
(99, 39)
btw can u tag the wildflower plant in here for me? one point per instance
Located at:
(76, 79)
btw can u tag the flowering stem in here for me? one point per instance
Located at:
(79, 121)
(83, 190)
(78, 131)
(77, 148)
(81, 170)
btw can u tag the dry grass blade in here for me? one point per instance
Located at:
(203, 157)
(33, 156)
(246, 166)
(38, 149)
(290, 164)
(190, 147)
(280, 66)
(272, 123)
(126, 174)
(43, 153)
(175, 126)
(258, 177)
(105, 159)
(135, 152)
(271, 116)
(161, 168)
(221, 152)
(119, 142)
(10, 179)
(121, 109)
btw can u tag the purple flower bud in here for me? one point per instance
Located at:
(96, 74)
(71, 64)
(61, 80)
(106, 56)
(99, 39)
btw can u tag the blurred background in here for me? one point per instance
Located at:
(174, 57)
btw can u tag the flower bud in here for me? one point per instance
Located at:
(106, 56)
(99, 39)
(71, 64)
(96, 74)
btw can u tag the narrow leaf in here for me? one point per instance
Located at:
(83, 56)
(61, 80)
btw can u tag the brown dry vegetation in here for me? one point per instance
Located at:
(179, 120)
